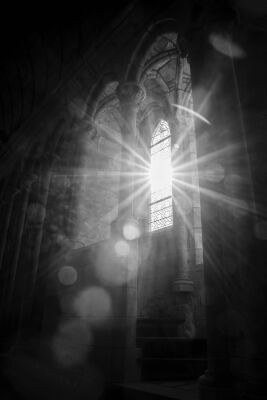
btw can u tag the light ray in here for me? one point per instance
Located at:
(205, 158)
(113, 134)
(190, 111)
(127, 201)
(215, 195)
(184, 217)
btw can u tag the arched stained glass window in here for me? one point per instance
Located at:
(161, 209)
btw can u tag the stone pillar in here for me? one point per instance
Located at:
(250, 84)
(25, 187)
(130, 96)
(32, 298)
(215, 98)
(13, 193)
(182, 285)
(8, 195)
(44, 190)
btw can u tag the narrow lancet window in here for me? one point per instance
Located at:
(161, 209)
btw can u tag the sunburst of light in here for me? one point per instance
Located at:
(137, 175)
(113, 135)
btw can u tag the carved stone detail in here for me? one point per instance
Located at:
(130, 93)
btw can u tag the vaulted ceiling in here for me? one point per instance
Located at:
(41, 45)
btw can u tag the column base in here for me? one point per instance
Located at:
(183, 289)
(183, 286)
(215, 388)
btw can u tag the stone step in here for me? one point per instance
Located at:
(178, 390)
(172, 347)
(171, 368)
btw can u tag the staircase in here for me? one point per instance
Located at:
(165, 357)
(169, 365)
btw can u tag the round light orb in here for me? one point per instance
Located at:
(67, 275)
(122, 248)
(131, 230)
(226, 46)
(93, 303)
(214, 173)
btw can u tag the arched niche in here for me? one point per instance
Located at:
(166, 77)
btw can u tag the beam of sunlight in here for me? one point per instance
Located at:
(197, 162)
(185, 219)
(229, 201)
(113, 134)
(192, 112)
(129, 199)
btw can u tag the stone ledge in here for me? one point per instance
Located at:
(183, 286)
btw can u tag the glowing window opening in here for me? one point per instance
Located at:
(160, 208)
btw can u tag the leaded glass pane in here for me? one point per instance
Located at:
(161, 212)
(162, 145)
(161, 132)
(163, 223)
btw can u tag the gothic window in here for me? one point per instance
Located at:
(161, 208)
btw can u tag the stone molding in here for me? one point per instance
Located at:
(130, 93)
(183, 286)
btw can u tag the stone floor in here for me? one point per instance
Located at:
(179, 390)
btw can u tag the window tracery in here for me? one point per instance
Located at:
(161, 209)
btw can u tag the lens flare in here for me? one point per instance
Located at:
(226, 46)
(122, 248)
(131, 230)
(214, 173)
(110, 269)
(93, 304)
(67, 275)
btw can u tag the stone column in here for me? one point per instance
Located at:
(13, 193)
(130, 96)
(8, 195)
(25, 188)
(250, 84)
(33, 294)
(44, 190)
(216, 99)
(182, 285)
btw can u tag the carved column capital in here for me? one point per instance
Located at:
(131, 94)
